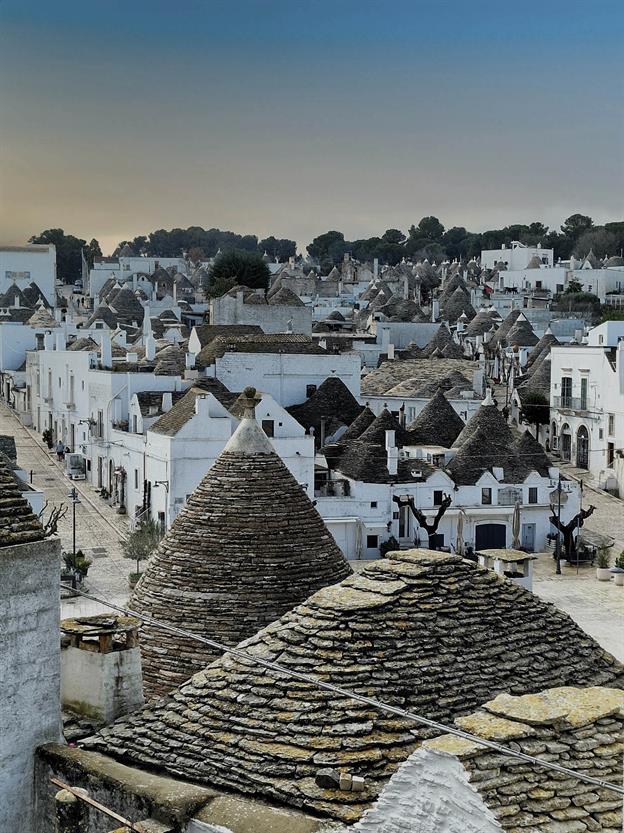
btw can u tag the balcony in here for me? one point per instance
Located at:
(571, 403)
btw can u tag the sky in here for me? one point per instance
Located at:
(292, 117)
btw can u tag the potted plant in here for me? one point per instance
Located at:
(46, 436)
(139, 545)
(77, 563)
(603, 563)
(618, 570)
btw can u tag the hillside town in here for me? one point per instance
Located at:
(378, 485)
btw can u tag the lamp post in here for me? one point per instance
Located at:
(558, 547)
(73, 496)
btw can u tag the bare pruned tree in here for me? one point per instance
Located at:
(50, 524)
(430, 526)
(567, 529)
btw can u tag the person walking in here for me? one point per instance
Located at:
(60, 451)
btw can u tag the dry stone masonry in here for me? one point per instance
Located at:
(423, 630)
(248, 546)
(580, 729)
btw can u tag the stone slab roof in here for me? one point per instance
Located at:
(426, 630)
(206, 332)
(437, 424)
(331, 400)
(247, 546)
(18, 523)
(183, 408)
(390, 373)
(256, 343)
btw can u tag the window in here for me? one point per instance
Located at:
(611, 429)
(135, 424)
(310, 389)
(136, 478)
(100, 424)
(600, 433)
(532, 494)
(486, 497)
(559, 287)
(538, 284)
(584, 393)
(566, 391)
(373, 504)
(268, 427)
(438, 497)
(610, 453)
(372, 542)
(161, 522)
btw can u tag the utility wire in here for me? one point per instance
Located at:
(369, 701)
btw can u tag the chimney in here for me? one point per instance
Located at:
(488, 396)
(202, 404)
(101, 674)
(132, 358)
(58, 314)
(619, 364)
(147, 321)
(375, 268)
(167, 401)
(150, 348)
(189, 359)
(59, 338)
(240, 299)
(435, 309)
(106, 353)
(48, 342)
(391, 351)
(392, 453)
(405, 287)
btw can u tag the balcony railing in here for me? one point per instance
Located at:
(573, 403)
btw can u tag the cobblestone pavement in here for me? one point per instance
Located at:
(99, 530)
(597, 606)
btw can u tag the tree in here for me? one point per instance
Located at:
(575, 225)
(535, 410)
(329, 247)
(599, 240)
(196, 254)
(140, 544)
(430, 228)
(568, 529)
(393, 235)
(68, 252)
(92, 251)
(237, 267)
(430, 526)
(574, 286)
(278, 249)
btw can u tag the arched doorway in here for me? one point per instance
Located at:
(582, 448)
(554, 439)
(566, 442)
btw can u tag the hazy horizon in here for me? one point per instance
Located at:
(292, 119)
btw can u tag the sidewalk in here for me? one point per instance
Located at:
(99, 529)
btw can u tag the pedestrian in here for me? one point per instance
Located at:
(60, 451)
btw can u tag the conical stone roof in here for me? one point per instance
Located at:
(500, 336)
(522, 333)
(543, 345)
(437, 424)
(331, 400)
(427, 630)
(376, 431)
(490, 421)
(458, 302)
(358, 426)
(42, 318)
(247, 547)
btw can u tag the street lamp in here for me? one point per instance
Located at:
(558, 546)
(73, 496)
